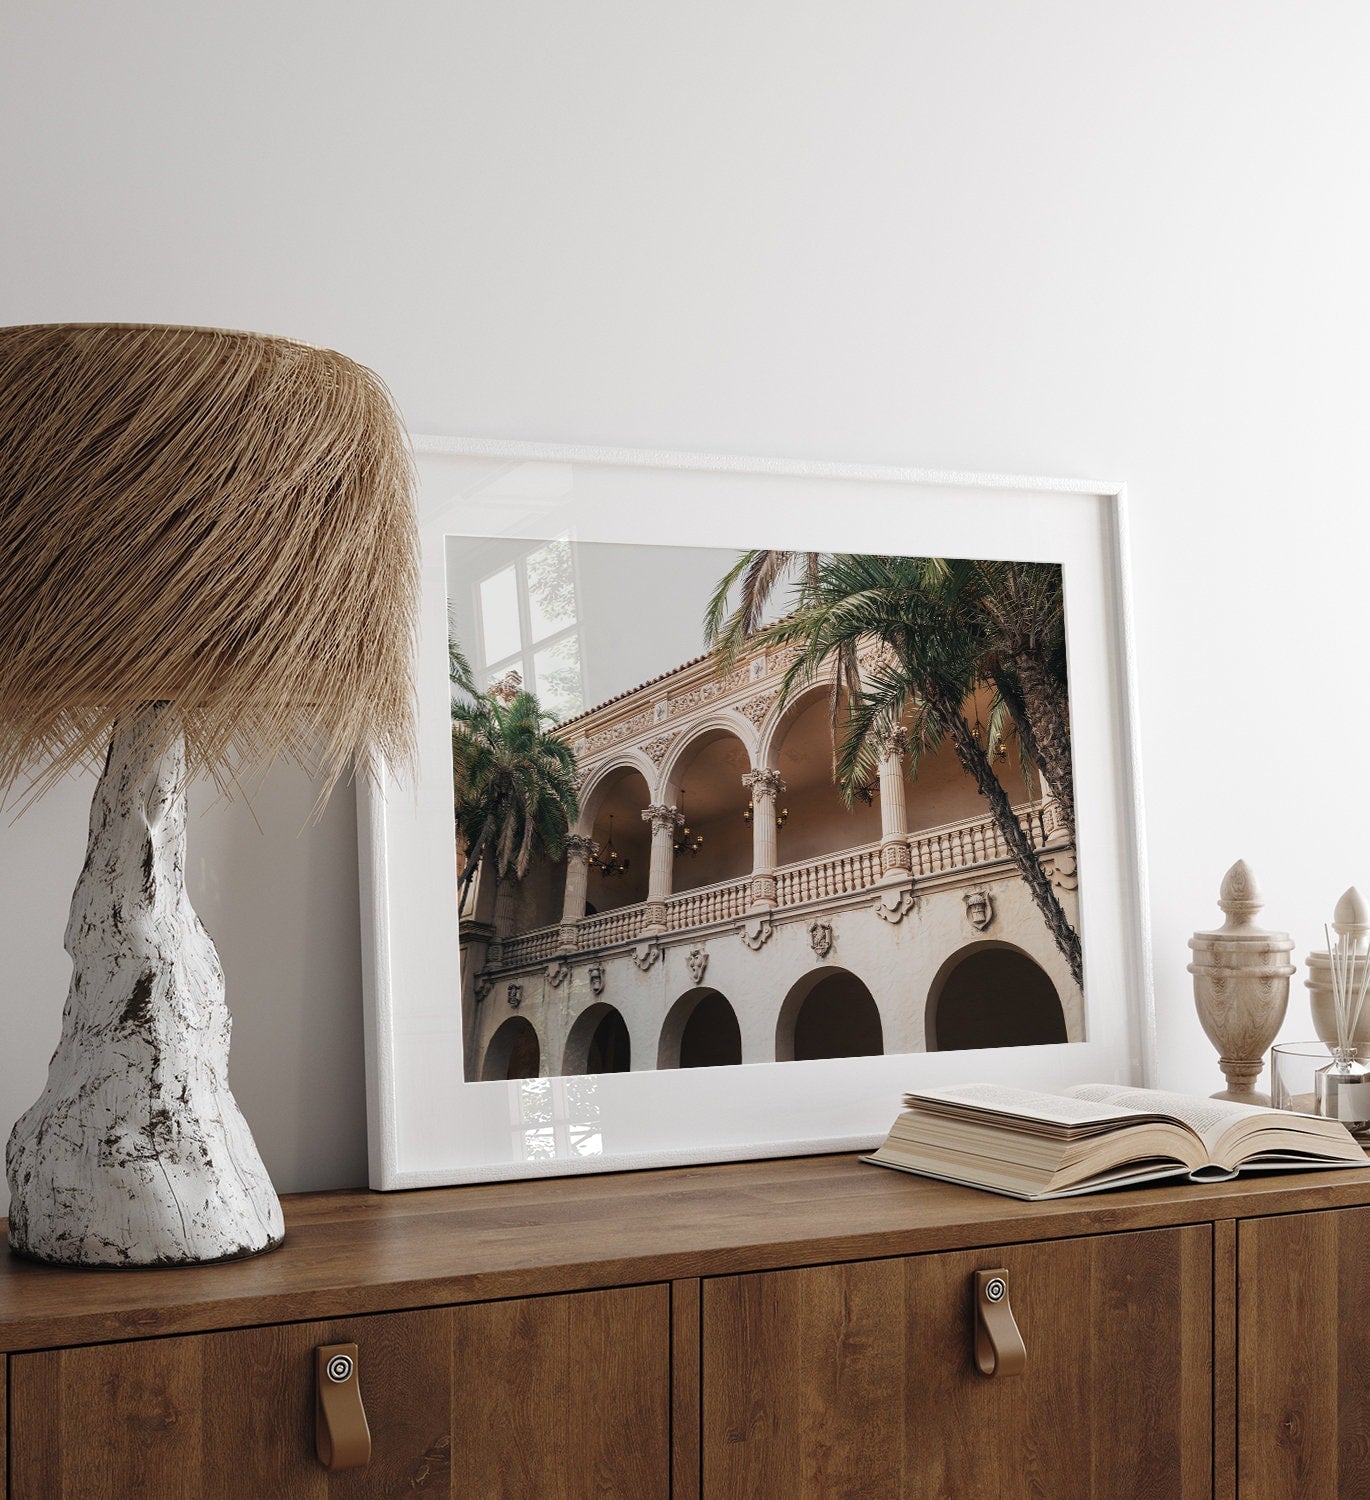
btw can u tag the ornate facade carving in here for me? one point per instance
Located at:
(820, 937)
(558, 972)
(580, 846)
(485, 982)
(514, 994)
(756, 931)
(706, 692)
(646, 954)
(763, 782)
(895, 855)
(594, 972)
(894, 903)
(754, 710)
(1062, 871)
(657, 747)
(979, 909)
(697, 962)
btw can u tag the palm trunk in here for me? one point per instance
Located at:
(1020, 846)
(473, 859)
(1048, 756)
(1049, 717)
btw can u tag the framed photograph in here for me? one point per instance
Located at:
(750, 795)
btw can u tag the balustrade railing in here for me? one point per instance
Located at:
(838, 875)
(977, 841)
(620, 926)
(933, 851)
(713, 903)
(529, 948)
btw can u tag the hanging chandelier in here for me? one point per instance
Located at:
(611, 863)
(686, 841)
(782, 815)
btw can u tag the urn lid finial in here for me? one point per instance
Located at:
(1351, 919)
(1239, 896)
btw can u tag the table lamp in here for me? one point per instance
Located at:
(208, 561)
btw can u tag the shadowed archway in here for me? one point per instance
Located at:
(514, 1051)
(828, 1013)
(700, 1031)
(992, 995)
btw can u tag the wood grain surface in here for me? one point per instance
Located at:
(857, 1382)
(685, 1357)
(358, 1252)
(563, 1397)
(1225, 1360)
(1304, 1344)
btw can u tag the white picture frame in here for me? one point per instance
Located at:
(427, 1125)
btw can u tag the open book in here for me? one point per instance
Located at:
(1094, 1136)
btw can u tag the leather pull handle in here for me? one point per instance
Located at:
(341, 1437)
(999, 1347)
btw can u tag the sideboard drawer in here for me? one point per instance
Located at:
(859, 1380)
(561, 1396)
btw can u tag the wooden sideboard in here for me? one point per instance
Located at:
(787, 1329)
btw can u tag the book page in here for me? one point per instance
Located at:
(1210, 1119)
(1028, 1104)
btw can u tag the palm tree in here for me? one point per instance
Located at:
(1018, 611)
(514, 780)
(932, 658)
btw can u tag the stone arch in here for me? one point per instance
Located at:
(992, 994)
(514, 1051)
(777, 722)
(597, 1042)
(593, 791)
(619, 791)
(700, 1031)
(723, 720)
(829, 1012)
(704, 777)
(799, 745)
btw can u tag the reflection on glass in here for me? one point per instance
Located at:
(499, 615)
(557, 1118)
(556, 673)
(551, 589)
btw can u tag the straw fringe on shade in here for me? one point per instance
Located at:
(222, 522)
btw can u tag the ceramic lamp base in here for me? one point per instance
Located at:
(135, 1153)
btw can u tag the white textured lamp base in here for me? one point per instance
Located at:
(136, 1154)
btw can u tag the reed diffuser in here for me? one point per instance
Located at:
(1342, 1087)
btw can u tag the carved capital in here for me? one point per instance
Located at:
(662, 818)
(764, 783)
(894, 745)
(580, 846)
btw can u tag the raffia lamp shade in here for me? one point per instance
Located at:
(208, 561)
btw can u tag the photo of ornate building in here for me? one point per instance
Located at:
(717, 900)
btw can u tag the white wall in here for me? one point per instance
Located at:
(1071, 237)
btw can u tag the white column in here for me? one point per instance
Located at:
(765, 786)
(894, 819)
(580, 850)
(664, 820)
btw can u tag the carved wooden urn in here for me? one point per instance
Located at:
(1241, 985)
